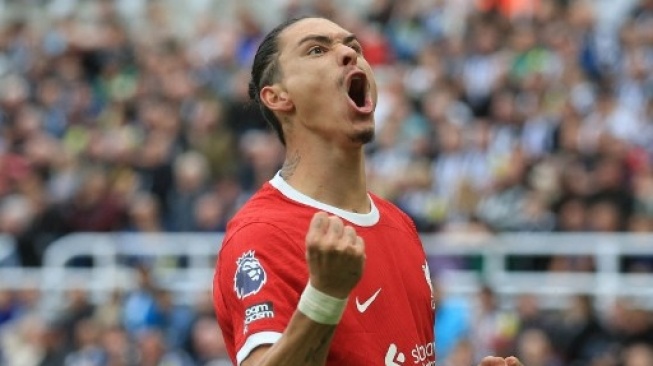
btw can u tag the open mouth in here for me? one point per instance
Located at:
(358, 89)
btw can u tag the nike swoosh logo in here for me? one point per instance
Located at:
(362, 307)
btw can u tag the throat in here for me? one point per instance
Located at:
(329, 175)
(354, 201)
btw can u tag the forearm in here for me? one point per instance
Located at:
(336, 256)
(304, 342)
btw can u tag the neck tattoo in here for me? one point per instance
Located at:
(290, 165)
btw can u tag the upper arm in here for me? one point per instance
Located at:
(255, 356)
(259, 280)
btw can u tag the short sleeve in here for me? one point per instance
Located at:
(260, 276)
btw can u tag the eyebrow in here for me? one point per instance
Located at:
(326, 39)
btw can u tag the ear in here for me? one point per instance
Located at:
(276, 98)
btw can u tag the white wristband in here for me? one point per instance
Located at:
(320, 307)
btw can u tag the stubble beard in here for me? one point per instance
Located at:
(363, 137)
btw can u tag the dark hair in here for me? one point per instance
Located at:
(265, 71)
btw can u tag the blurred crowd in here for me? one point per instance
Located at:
(144, 326)
(141, 327)
(493, 116)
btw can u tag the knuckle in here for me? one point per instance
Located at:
(359, 253)
(335, 219)
(330, 246)
(320, 215)
(350, 233)
(312, 239)
(350, 250)
(336, 223)
(325, 244)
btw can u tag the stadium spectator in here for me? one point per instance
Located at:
(452, 322)
(494, 329)
(86, 348)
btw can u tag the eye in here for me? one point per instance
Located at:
(316, 50)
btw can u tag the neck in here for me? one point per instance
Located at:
(329, 175)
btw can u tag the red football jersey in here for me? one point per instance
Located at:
(262, 271)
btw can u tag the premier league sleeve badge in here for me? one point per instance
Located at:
(250, 275)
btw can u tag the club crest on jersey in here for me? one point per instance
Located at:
(427, 274)
(250, 275)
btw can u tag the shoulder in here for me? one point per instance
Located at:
(261, 203)
(392, 214)
(261, 246)
(267, 205)
(259, 234)
(268, 219)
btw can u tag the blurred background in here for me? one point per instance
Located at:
(518, 134)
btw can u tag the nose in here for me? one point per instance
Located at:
(347, 56)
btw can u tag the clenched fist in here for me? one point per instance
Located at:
(335, 255)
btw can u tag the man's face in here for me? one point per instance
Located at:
(328, 81)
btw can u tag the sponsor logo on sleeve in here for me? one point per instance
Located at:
(263, 310)
(250, 275)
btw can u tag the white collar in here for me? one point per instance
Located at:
(368, 219)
